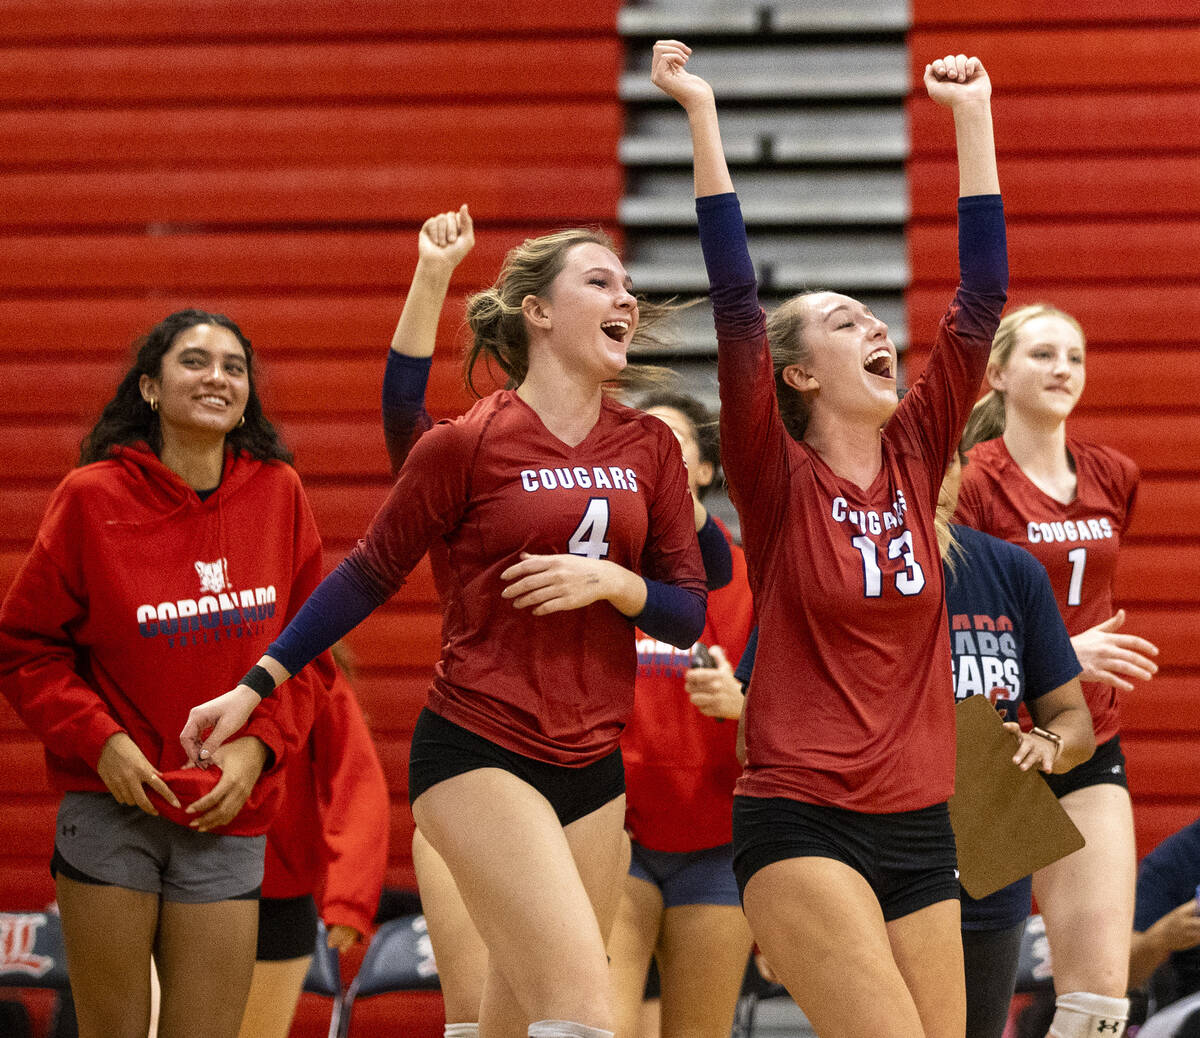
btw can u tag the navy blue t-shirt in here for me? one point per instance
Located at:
(1168, 877)
(1008, 643)
(745, 665)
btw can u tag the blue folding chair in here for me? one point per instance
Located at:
(325, 978)
(399, 958)
(31, 951)
(32, 954)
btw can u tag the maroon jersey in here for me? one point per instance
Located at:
(1078, 542)
(494, 483)
(852, 701)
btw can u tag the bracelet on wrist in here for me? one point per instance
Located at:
(259, 680)
(1049, 736)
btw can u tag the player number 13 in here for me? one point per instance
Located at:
(909, 581)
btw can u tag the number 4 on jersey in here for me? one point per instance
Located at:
(588, 539)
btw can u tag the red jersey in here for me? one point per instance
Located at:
(140, 600)
(680, 766)
(1078, 543)
(852, 701)
(495, 483)
(330, 836)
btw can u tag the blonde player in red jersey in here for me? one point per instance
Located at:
(559, 519)
(842, 845)
(692, 753)
(1068, 502)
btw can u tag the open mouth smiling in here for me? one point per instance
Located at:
(615, 330)
(879, 362)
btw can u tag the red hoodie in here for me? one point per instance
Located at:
(139, 601)
(680, 766)
(331, 834)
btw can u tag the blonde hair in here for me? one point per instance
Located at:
(497, 320)
(785, 336)
(987, 417)
(948, 547)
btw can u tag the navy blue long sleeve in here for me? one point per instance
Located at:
(714, 550)
(342, 601)
(671, 614)
(745, 666)
(404, 416)
(732, 283)
(982, 263)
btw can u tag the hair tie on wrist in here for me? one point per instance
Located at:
(259, 679)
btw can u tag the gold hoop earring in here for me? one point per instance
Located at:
(154, 403)
(241, 421)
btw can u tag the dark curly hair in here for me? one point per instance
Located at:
(704, 425)
(128, 419)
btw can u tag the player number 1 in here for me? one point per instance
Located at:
(1078, 557)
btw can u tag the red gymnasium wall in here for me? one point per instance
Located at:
(272, 159)
(1095, 111)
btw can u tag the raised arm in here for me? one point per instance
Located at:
(961, 84)
(751, 438)
(669, 74)
(444, 241)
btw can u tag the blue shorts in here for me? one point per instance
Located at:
(441, 749)
(105, 843)
(688, 877)
(909, 857)
(1105, 767)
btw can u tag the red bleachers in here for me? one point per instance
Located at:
(1038, 14)
(272, 159)
(450, 68)
(288, 134)
(95, 20)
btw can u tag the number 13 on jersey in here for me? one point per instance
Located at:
(909, 580)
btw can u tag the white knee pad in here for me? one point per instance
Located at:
(460, 1031)
(565, 1029)
(1080, 1014)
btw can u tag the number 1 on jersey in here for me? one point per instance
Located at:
(1078, 557)
(588, 538)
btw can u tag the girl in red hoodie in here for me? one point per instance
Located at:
(142, 592)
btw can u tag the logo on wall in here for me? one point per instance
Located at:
(214, 576)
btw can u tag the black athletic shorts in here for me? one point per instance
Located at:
(1104, 767)
(287, 928)
(441, 749)
(908, 858)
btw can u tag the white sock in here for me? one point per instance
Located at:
(1080, 1014)
(461, 1031)
(565, 1029)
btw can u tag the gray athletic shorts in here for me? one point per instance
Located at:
(101, 841)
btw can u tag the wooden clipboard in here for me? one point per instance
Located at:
(1007, 822)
